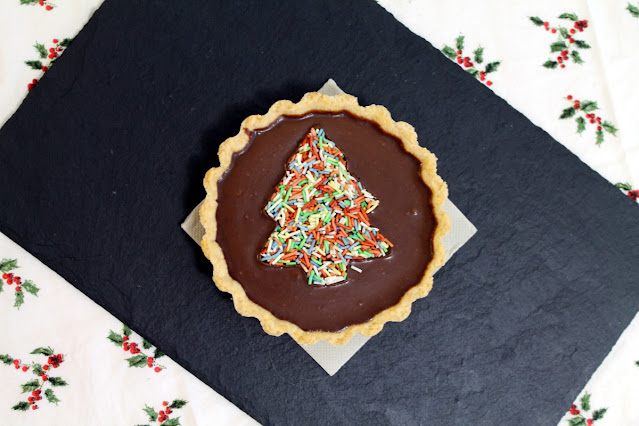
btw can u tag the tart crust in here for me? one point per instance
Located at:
(317, 102)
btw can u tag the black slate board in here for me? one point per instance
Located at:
(105, 159)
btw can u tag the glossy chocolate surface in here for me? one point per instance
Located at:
(404, 216)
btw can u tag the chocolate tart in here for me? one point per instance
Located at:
(380, 153)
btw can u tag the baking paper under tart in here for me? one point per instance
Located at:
(317, 102)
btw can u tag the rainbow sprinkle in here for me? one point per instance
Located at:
(322, 215)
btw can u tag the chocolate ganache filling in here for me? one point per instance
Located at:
(404, 214)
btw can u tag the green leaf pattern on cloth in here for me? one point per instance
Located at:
(567, 42)
(583, 110)
(457, 54)
(164, 413)
(9, 279)
(34, 387)
(124, 340)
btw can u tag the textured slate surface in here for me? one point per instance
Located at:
(105, 159)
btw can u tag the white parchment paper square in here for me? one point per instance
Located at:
(332, 358)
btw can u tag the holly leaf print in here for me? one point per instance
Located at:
(19, 299)
(634, 10)
(551, 64)
(51, 396)
(146, 344)
(57, 381)
(577, 421)
(576, 58)
(536, 20)
(588, 106)
(21, 406)
(7, 265)
(153, 415)
(626, 187)
(66, 42)
(41, 50)
(137, 361)
(585, 402)
(567, 113)
(479, 55)
(492, 67)
(115, 338)
(157, 353)
(558, 46)
(472, 72)
(126, 330)
(178, 403)
(172, 422)
(44, 351)
(598, 414)
(460, 43)
(448, 51)
(37, 369)
(581, 124)
(570, 16)
(30, 287)
(600, 137)
(6, 359)
(608, 127)
(30, 386)
(28, 1)
(582, 44)
(564, 32)
(36, 65)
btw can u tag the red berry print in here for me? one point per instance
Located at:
(49, 7)
(565, 42)
(41, 64)
(6, 265)
(585, 415)
(43, 381)
(469, 62)
(581, 112)
(164, 413)
(124, 340)
(632, 193)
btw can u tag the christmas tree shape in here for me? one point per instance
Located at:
(321, 212)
